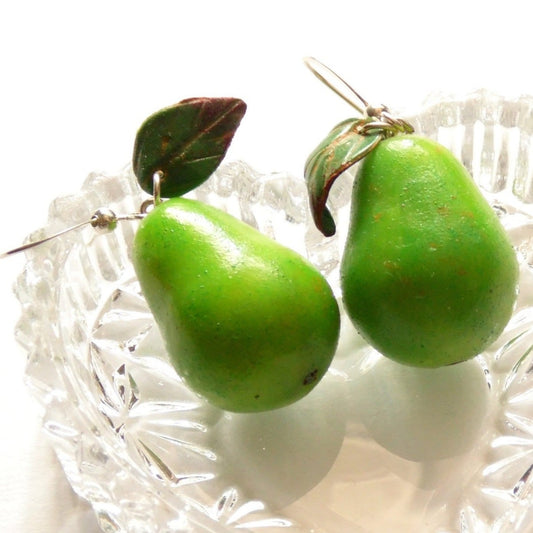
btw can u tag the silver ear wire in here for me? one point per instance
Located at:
(336, 84)
(156, 185)
(103, 220)
(382, 120)
(29, 245)
(156, 193)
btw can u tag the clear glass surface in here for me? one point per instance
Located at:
(375, 447)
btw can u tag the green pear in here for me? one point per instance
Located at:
(428, 275)
(248, 324)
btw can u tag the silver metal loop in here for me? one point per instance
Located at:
(156, 186)
(377, 125)
(103, 220)
(146, 205)
(156, 193)
(336, 84)
(384, 120)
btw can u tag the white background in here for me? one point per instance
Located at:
(78, 78)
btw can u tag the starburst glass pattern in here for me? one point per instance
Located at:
(375, 447)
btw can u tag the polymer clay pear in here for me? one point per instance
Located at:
(428, 275)
(248, 324)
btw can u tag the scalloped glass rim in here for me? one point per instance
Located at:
(358, 454)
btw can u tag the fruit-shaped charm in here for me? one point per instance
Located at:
(249, 324)
(428, 275)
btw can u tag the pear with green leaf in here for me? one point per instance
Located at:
(428, 275)
(248, 324)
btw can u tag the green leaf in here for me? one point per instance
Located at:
(342, 148)
(185, 142)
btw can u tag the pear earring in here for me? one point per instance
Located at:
(418, 231)
(234, 291)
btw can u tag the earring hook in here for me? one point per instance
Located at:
(381, 119)
(103, 219)
(336, 84)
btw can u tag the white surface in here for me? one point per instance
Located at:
(80, 77)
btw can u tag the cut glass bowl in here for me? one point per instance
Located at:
(375, 447)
